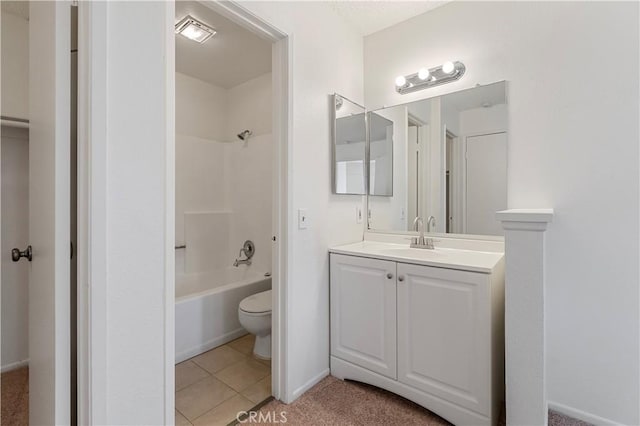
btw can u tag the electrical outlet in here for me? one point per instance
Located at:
(358, 214)
(303, 219)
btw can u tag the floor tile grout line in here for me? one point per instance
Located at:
(213, 408)
(245, 344)
(256, 407)
(230, 365)
(194, 383)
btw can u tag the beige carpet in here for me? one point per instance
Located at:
(336, 402)
(15, 397)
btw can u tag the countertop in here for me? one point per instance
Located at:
(449, 258)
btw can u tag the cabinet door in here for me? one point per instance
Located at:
(363, 312)
(444, 338)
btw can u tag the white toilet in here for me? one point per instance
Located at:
(254, 313)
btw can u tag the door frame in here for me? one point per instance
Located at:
(92, 199)
(92, 220)
(281, 71)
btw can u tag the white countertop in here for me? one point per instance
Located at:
(450, 258)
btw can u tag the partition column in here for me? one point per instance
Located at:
(525, 315)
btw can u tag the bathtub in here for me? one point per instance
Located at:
(207, 308)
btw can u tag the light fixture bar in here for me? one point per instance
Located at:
(195, 30)
(423, 79)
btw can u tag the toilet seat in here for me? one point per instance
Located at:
(256, 304)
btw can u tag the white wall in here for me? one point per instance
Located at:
(326, 58)
(138, 279)
(15, 66)
(15, 233)
(573, 146)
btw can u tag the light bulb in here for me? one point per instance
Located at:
(423, 74)
(401, 81)
(448, 67)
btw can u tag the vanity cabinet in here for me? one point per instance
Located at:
(430, 334)
(363, 309)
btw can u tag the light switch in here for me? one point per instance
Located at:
(303, 219)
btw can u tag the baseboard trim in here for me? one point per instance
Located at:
(308, 385)
(581, 415)
(14, 365)
(218, 341)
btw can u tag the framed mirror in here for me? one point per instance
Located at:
(349, 147)
(448, 160)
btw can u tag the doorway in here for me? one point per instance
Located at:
(230, 195)
(27, 292)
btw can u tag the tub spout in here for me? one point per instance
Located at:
(248, 249)
(239, 262)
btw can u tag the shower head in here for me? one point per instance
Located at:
(243, 136)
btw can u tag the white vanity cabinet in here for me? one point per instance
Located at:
(430, 334)
(363, 310)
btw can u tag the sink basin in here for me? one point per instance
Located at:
(413, 253)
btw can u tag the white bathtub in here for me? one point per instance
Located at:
(207, 308)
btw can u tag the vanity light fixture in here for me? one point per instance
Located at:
(425, 78)
(195, 30)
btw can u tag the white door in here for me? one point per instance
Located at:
(363, 312)
(486, 189)
(444, 334)
(49, 174)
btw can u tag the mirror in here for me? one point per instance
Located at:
(349, 147)
(380, 154)
(448, 159)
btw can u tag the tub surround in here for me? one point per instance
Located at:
(425, 324)
(219, 178)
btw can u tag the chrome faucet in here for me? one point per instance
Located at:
(249, 250)
(421, 242)
(431, 224)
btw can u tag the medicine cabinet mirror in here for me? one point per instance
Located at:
(349, 146)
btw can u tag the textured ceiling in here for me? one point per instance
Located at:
(374, 15)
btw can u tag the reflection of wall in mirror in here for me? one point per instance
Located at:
(350, 150)
(389, 212)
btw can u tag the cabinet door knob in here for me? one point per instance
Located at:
(401, 278)
(389, 275)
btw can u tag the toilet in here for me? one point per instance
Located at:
(254, 314)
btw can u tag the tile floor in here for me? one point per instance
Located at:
(213, 387)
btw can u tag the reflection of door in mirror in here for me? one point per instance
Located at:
(449, 162)
(486, 191)
(416, 135)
